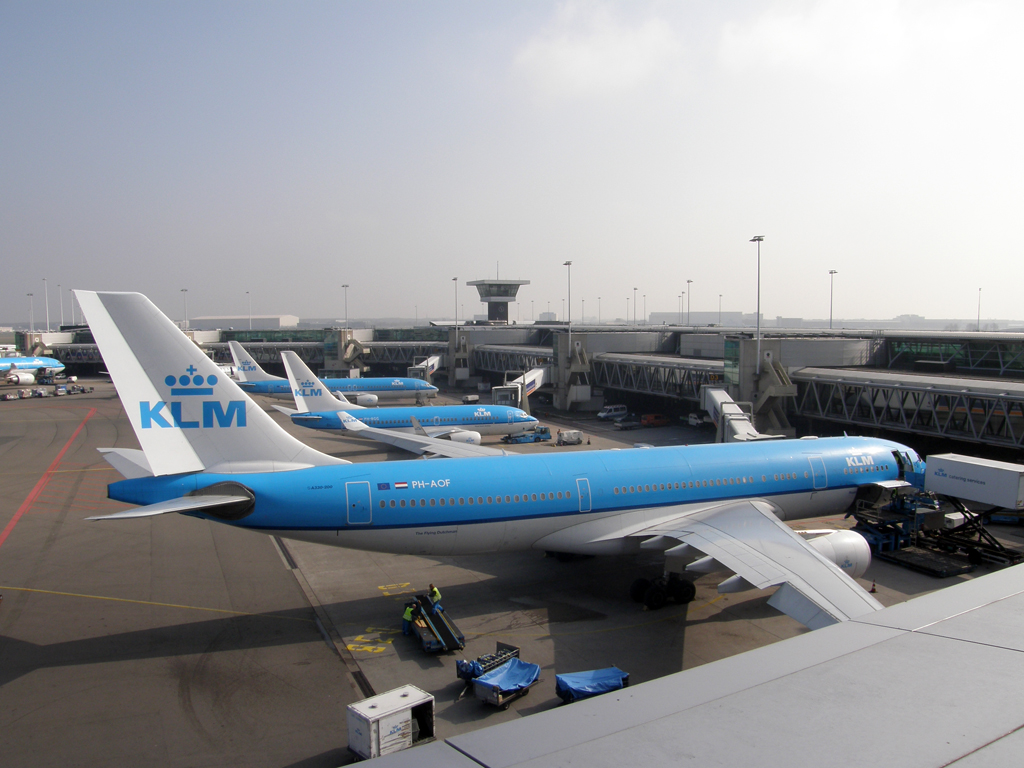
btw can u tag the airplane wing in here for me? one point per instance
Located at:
(419, 444)
(746, 538)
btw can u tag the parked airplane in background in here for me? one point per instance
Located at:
(254, 380)
(443, 426)
(26, 370)
(209, 451)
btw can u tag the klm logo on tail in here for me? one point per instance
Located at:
(308, 389)
(190, 385)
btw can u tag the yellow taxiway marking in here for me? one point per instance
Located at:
(150, 602)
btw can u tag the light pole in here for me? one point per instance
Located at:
(583, 310)
(680, 297)
(831, 286)
(533, 316)
(979, 310)
(689, 300)
(249, 296)
(184, 293)
(568, 283)
(61, 297)
(31, 316)
(627, 310)
(46, 299)
(645, 309)
(634, 307)
(345, 287)
(719, 310)
(598, 310)
(456, 281)
(72, 292)
(758, 239)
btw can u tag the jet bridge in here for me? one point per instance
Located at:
(975, 410)
(517, 390)
(732, 423)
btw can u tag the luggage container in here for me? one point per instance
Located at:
(503, 685)
(390, 722)
(582, 685)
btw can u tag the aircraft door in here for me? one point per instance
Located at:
(357, 503)
(818, 472)
(511, 417)
(583, 489)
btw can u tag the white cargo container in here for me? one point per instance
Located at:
(998, 483)
(390, 722)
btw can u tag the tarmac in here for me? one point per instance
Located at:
(180, 642)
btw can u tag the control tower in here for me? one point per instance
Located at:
(498, 294)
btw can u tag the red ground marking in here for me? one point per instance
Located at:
(34, 494)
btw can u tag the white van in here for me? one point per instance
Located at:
(612, 412)
(569, 437)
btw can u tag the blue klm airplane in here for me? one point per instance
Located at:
(254, 380)
(25, 370)
(440, 430)
(209, 451)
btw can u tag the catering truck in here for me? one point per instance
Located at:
(998, 483)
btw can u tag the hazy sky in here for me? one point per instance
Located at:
(288, 148)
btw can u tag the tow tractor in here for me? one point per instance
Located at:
(536, 436)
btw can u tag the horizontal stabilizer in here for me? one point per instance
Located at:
(130, 462)
(185, 504)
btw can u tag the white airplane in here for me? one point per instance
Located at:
(209, 451)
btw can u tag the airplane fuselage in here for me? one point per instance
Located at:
(486, 420)
(45, 364)
(562, 502)
(384, 389)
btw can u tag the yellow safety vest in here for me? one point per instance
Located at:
(407, 616)
(435, 595)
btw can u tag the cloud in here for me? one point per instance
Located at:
(587, 51)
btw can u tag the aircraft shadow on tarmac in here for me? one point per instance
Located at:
(231, 633)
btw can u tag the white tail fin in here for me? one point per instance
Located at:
(246, 368)
(187, 415)
(311, 396)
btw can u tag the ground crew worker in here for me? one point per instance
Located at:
(407, 618)
(435, 598)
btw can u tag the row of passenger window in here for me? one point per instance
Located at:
(860, 470)
(471, 500)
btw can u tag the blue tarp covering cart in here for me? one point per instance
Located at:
(505, 684)
(582, 685)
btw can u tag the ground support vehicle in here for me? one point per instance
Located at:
(471, 670)
(503, 685)
(582, 685)
(538, 435)
(569, 437)
(435, 631)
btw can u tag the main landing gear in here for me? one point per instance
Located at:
(655, 593)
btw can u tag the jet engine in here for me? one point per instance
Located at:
(847, 549)
(472, 438)
(365, 400)
(20, 377)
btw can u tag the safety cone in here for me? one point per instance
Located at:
(872, 590)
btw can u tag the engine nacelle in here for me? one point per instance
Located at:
(21, 377)
(847, 549)
(471, 438)
(365, 400)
